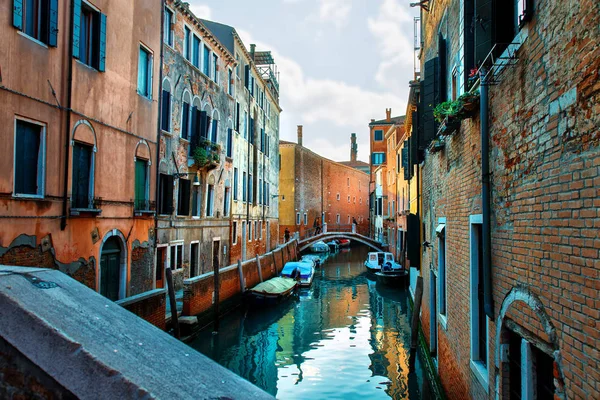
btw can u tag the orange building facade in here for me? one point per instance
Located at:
(79, 139)
(314, 190)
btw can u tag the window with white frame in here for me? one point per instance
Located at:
(196, 51)
(210, 201)
(297, 218)
(250, 231)
(168, 27)
(337, 197)
(337, 219)
(176, 256)
(227, 200)
(82, 193)
(206, 61)
(187, 43)
(30, 158)
(230, 83)
(144, 83)
(34, 19)
(441, 234)
(305, 219)
(142, 184)
(89, 41)
(479, 320)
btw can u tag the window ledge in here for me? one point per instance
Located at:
(481, 373)
(143, 213)
(20, 196)
(34, 40)
(228, 159)
(143, 96)
(86, 65)
(184, 140)
(443, 321)
(78, 211)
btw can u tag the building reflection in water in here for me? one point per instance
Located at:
(345, 337)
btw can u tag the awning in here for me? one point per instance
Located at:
(439, 231)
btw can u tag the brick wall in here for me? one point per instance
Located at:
(142, 268)
(150, 306)
(198, 291)
(545, 165)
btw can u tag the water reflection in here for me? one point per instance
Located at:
(345, 337)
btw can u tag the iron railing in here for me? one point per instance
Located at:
(84, 202)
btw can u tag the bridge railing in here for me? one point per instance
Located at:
(339, 228)
(310, 233)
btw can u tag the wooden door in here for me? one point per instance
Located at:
(110, 266)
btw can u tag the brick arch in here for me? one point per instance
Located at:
(524, 295)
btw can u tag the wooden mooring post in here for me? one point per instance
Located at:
(259, 268)
(414, 334)
(172, 302)
(216, 292)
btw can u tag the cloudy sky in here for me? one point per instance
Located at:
(342, 62)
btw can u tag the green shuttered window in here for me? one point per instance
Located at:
(141, 185)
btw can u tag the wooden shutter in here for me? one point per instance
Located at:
(76, 27)
(18, 14)
(413, 151)
(166, 195)
(247, 76)
(185, 120)
(26, 163)
(406, 161)
(504, 32)
(102, 48)
(237, 116)
(413, 240)
(484, 29)
(53, 24)
(229, 142)
(429, 99)
(443, 69)
(82, 157)
(469, 35)
(140, 184)
(166, 107)
(184, 197)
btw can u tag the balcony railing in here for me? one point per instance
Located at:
(84, 203)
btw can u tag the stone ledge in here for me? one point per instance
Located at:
(139, 297)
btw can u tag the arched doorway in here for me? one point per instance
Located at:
(111, 268)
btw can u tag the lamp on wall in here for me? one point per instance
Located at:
(278, 195)
(424, 4)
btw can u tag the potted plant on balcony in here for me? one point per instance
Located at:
(448, 115)
(207, 155)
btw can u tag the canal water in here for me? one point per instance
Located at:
(346, 337)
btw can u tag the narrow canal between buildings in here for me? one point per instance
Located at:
(346, 337)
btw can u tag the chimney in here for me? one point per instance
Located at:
(300, 135)
(388, 114)
(353, 147)
(372, 120)
(252, 51)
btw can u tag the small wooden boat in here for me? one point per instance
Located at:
(344, 242)
(391, 278)
(333, 245)
(319, 247)
(304, 272)
(273, 291)
(315, 259)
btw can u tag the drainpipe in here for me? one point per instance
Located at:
(63, 221)
(160, 76)
(485, 196)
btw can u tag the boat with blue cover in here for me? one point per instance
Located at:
(301, 270)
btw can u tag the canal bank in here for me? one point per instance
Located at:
(345, 337)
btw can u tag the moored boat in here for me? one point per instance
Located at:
(376, 260)
(391, 278)
(344, 242)
(303, 271)
(333, 245)
(273, 291)
(319, 247)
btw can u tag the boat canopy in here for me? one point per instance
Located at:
(305, 268)
(275, 285)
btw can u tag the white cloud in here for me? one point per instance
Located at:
(329, 110)
(335, 12)
(201, 11)
(393, 31)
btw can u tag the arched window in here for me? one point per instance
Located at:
(142, 177)
(186, 115)
(84, 160)
(195, 125)
(165, 116)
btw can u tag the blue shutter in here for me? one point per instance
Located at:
(76, 26)
(53, 26)
(247, 76)
(18, 14)
(102, 55)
